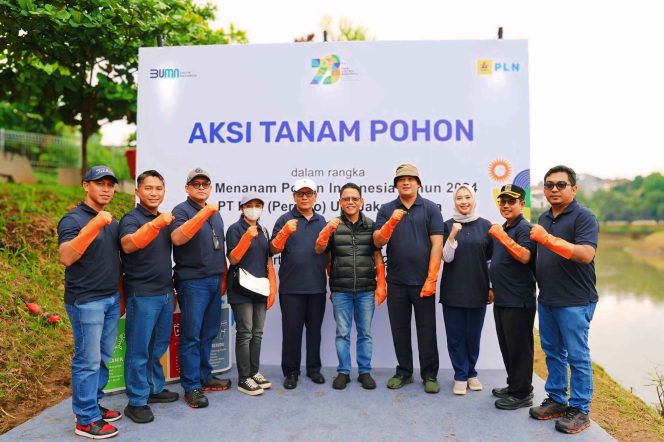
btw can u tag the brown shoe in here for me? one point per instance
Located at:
(216, 384)
(549, 409)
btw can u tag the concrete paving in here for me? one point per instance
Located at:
(314, 412)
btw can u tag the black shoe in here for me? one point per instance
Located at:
(196, 398)
(316, 377)
(250, 387)
(163, 397)
(291, 381)
(573, 422)
(367, 381)
(500, 392)
(216, 384)
(141, 414)
(340, 381)
(109, 415)
(512, 403)
(549, 409)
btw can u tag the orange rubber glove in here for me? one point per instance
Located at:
(149, 231)
(272, 276)
(279, 241)
(429, 287)
(514, 249)
(553, 243)
(328, 230)
(123, 305)
(245, 242)
(90, 231)
(191, 227)
(381, 285)
(388, 229)
(224, 283)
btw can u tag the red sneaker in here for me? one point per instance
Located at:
(109, 415)
(96, 430)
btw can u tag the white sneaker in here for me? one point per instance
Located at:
(460, 387)
(474, 384)
(261, 381)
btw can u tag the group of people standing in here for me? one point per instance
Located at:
(483, 264)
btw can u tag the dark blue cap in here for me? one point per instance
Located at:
(98, 172)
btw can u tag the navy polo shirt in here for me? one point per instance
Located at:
(197, 258)
(302, 271)
(254, 261)
(409, 248)
(147, 272)
(514, 282)
(563, 282)
(465, 281)
(97, 273)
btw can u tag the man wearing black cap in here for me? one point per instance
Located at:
(412, 227)
(200, 264)
(514, 308)
(89, 249)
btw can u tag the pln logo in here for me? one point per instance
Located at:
(165, 73)
(488, 67)
(328, 69)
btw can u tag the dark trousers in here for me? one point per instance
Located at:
(401, 301)
(514, 327)
(299, 311)
(463, 327)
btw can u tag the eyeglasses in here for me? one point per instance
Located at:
(511, 202)
(560, 185)
(348, 199)
(200, 184)
(303, 194)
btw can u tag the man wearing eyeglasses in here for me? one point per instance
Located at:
(200, 264)
(567, 237)
(357, 282)
(513, 280)
(302, 283)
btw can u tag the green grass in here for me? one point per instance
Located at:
(32, 352)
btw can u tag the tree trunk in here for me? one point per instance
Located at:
(86, 131)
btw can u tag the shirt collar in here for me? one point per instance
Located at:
(146, 212)
(418, 202)
(573, 205)
(514, 224)
(296, 213)
(87, 208)
(194, 204)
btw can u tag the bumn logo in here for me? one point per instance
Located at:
(165, 73)
(329, 69)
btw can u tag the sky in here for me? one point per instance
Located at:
(596, 67)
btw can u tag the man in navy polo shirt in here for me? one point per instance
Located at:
(412, 227)
(514, 290)
(148, 290)
(567, 235)
(302, 283)
(89, 249)
(200, 264)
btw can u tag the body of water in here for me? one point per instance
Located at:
(627, 331)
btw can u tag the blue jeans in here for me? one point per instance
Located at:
(94, 326)
(564, 336)
(346, 305)
(249, 322)
(148, 333)
(200, 321)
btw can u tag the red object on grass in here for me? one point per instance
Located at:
(130, 154)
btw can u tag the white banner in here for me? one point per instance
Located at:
(258, 117)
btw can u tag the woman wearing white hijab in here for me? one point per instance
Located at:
(464, 286)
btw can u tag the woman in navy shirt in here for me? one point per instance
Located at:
(248, 249)
(464, 286)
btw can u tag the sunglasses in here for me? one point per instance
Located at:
(348, 199)
(560, 185)
(510, 202)
(200, 184)
(303, 194)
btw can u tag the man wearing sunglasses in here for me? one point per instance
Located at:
(302, 283)
(567, 235)
(357, 282)
(513, 281)
(200, 266)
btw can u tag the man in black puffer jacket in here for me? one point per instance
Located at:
(357, 282)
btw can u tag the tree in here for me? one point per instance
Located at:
(75, 60)
(341, 30)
